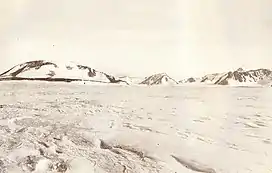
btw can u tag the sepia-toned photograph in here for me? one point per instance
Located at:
(136, 86)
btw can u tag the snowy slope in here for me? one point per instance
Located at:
(53, 71)
(131, 80)
(159, 79)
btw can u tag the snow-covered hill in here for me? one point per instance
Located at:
(159, 79)
(53, 71)
(240, 77)
(131, 80)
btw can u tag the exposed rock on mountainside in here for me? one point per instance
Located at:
(50, 71)
(158, 79)
(189, 80)
(259, 76)
(211, 78)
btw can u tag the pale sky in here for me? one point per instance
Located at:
(139, 37)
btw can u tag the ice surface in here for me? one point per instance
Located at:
(48, 127)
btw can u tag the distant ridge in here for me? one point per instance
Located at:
(240, 76)
(42, 70)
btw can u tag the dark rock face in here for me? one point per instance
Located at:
(51, 73)
(240, 70)
(209, 77)
(33, 64)
(113, 80)
(91, 72)
(204, 79)
(69, 67)
(191, 80)
(224, 82)
(28, 65)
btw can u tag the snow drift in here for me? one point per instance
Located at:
(52, 71)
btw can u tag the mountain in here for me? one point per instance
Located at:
(240, 77)
(159, 79)
(69, 72)
(51, 71)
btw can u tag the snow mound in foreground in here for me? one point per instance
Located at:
(52, 71)
(159, 79)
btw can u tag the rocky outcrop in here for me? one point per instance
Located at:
(189, 80)
(211, 78)
(16, 70)
(159, 79)
(50, 71)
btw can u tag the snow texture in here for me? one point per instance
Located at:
(70, 128)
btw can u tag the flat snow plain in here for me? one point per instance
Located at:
(73, 128)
